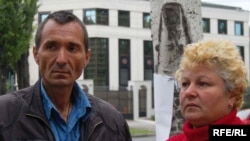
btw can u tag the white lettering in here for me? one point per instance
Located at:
(216, 132)
(228, 132)
(239, 132)
(222, 131)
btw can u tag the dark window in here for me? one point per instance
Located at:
(98, 68)
(241, 50)
(206, 25)
(123, 18)
(146, 20)
(238, 28)
(124, 62)
(42, 16)
(148, 60)
(222, 26)
(96, 16)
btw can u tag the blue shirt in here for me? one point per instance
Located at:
(80, 111)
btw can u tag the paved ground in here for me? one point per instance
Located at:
(146, 138)
(143, 124)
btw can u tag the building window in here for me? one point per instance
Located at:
(241, 50)
(146, 20)
(222, 26)
(238, 28)
(148, 60)
(42, 16)
(124, 18)
(124, 62)
(96, 16)
(206, 25)
(98, 68)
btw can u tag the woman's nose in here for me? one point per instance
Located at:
(190, 90)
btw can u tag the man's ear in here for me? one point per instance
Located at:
(35, 54)
(87, 57)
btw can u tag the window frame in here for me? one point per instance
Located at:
(241, 28)
(241, 51)
(224, 30)
(40, 14)
(99, 61)
(206, 22)
(98, 18)
(123, 18)
(124, 61)
(146, 24)
(148, 58)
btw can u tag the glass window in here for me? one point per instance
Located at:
(148, 60)
(98, 68)
(241, 50)
(96, 16)
(124, 62)
(238, 28)
(222, 26)
(123, 18)
(42, 16)
(206, 25)
(146, 20)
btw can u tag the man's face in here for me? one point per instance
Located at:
(61, 56)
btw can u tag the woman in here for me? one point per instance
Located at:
(213, 80)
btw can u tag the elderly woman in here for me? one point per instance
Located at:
(213, 80)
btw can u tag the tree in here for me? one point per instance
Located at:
(174, 25)
(16, 32)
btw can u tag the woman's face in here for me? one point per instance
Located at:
(203, 97)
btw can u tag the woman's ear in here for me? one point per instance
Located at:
(231, 102)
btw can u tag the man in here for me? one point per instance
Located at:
(56, 108)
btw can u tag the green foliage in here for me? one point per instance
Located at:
(15, 29)
(246, 103)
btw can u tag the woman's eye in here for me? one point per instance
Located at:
(184, 84)
(203, 84)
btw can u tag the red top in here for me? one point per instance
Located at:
(201, 134)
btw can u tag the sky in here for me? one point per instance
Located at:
(244, 4)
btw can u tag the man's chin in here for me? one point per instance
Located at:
(62, 83)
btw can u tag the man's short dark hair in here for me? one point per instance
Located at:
(61, 17)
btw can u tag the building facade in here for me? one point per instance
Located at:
(120, 36)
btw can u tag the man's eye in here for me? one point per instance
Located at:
(51, 46)
(73, 47)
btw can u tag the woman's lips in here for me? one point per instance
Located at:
(191, 105)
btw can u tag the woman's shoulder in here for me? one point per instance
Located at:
(177, 137)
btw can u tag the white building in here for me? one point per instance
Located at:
(122, 51)
(120, 36)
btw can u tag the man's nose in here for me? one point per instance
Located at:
(62, 56)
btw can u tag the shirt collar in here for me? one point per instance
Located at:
(81, 103)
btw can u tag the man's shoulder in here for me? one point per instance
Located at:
(9, 97)
(14, 97)
(104, 108)
(99, 103)
(107, 113)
